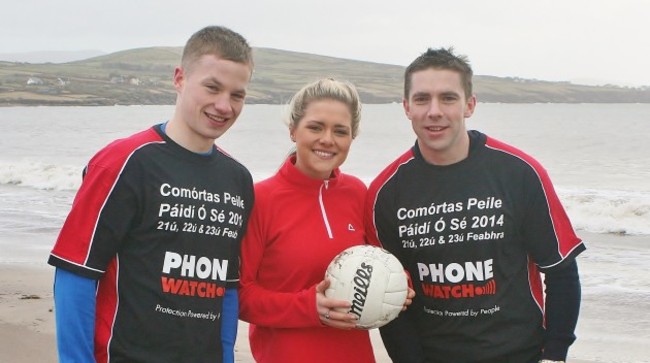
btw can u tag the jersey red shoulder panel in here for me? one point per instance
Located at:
(564, 233)
(75, 240)
(374, 189)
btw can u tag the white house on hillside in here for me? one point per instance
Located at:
(34, 81)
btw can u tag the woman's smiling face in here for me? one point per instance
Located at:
(323, 137)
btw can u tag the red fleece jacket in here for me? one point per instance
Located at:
(298, 225)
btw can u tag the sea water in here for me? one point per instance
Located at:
(596, 154)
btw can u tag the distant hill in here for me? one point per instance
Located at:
(50, 56)
(144, 76)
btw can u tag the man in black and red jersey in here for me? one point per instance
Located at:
(474, 221)
(147, 261)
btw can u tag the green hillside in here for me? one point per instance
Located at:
(143, 76)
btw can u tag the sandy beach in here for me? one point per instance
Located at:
(612, 327)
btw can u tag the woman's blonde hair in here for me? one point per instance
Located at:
(326, 88)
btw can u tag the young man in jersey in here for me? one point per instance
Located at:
(147, 260)
(474, 221)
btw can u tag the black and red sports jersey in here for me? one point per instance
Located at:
(473, 236)
(160, 228)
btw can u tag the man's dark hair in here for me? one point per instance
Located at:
(442, 58)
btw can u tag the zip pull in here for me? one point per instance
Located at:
(327, 183)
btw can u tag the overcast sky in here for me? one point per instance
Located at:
(583, 41)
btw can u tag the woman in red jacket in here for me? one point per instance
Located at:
(303, 216)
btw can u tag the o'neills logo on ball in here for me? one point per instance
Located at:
(361, 283)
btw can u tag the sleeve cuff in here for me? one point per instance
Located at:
(555, 350)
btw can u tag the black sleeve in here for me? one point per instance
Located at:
(563, 294)
(401, 339)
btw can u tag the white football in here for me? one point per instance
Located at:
(374, 282)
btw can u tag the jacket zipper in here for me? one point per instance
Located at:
(322, 208)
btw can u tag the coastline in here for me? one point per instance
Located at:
(27, 332)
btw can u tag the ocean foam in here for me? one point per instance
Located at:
(608, 211)
(40, 176)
